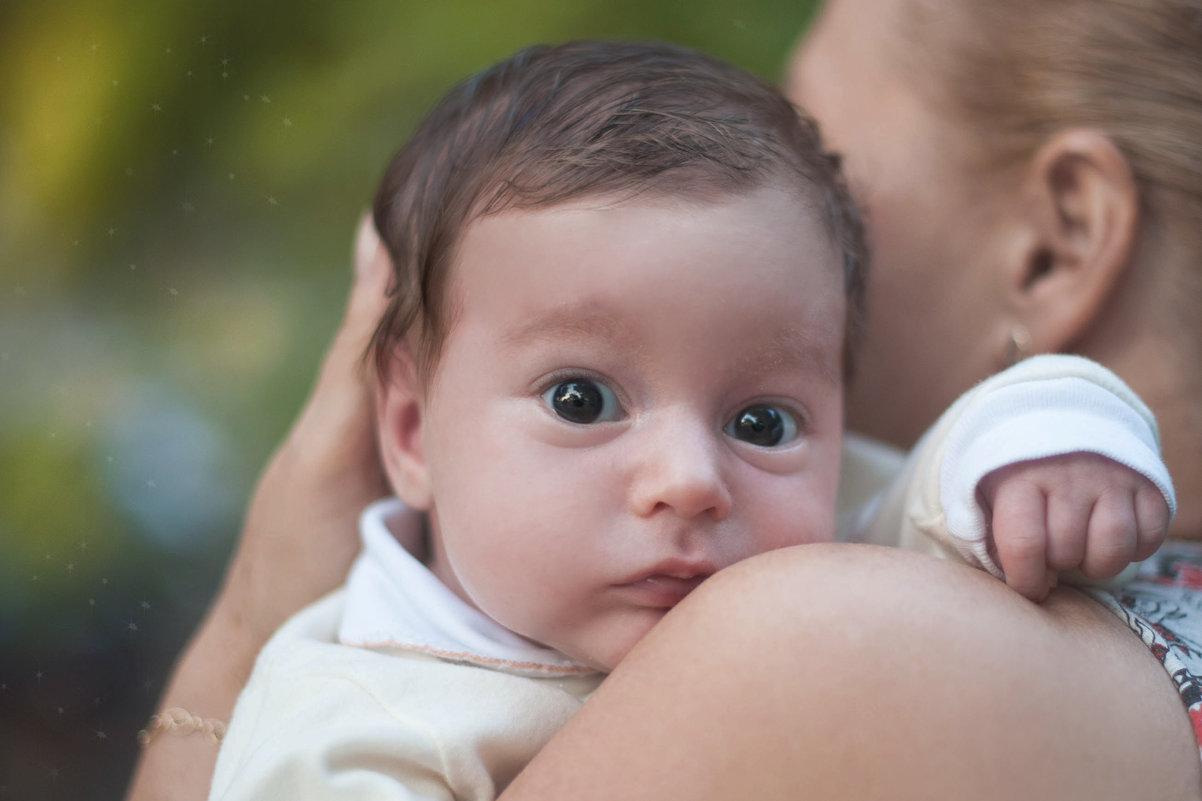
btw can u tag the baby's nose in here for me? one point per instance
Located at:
(681, 471)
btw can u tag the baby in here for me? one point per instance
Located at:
(626, 293)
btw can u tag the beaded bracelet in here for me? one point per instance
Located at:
(178, 720)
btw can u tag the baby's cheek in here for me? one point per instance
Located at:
(807, 524)
(825, 535)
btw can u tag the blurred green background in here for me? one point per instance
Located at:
(179, 183)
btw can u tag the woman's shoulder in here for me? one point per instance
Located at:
(885, 635)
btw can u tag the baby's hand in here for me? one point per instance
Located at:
(1079, 510)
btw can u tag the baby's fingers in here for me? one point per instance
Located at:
(1068, 527)
(1019, 527)
(1152, 519)
(1112, 535)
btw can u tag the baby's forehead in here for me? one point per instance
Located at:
(673, 195)
(613, 267)
(675, 202)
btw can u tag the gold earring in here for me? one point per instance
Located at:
(1017, 344)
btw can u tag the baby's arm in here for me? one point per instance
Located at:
(1052, 462)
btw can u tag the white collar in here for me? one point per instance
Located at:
(393, 600)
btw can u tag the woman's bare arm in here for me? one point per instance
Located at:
(850, 672)
(297, 544)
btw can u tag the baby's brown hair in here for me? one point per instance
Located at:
(556, 123)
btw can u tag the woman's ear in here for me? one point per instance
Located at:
(1083, 206)
(400, 408)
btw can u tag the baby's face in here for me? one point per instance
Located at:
(632, 396)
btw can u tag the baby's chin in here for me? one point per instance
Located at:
(603, 653)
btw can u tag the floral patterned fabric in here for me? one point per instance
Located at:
(1163, 606)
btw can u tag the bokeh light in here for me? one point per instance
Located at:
(179, 183)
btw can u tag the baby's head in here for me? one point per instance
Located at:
(626, 283)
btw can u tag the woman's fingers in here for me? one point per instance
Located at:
(300, 534)
(342, 396)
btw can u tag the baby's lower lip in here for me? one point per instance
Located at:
(661, 591)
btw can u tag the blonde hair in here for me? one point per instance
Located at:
(1131, 69)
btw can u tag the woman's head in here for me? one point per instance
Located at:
(1031, 171)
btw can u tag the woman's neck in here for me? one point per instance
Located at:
(1181, 444)
(1150, 334)
(1172, 388)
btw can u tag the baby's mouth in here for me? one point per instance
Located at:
(661, 590)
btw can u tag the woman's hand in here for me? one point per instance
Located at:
(297, 543)
(301, 529)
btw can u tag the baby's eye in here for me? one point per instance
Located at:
(582, 400)
(763, 425)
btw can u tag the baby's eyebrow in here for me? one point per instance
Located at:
(577, 320)
(792, 347)
(798, 347)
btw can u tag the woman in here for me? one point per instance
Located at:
(1016, 205)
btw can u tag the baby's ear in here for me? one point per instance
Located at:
(400, 408)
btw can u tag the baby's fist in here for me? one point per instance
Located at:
(1078, 510)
